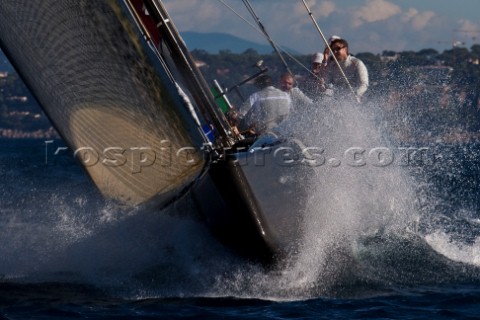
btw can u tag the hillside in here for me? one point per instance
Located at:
(214, 42)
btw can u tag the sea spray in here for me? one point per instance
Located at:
(350, 199)
(356, 190)
(73, 239)
(59, 230)
(56, 227)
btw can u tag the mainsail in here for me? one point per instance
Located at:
(90, 69)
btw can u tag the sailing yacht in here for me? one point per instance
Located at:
(118, 83)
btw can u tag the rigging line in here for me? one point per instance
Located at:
(298, 62)
(331, 51)
(262, 28)
(238, 15)
(260, 32)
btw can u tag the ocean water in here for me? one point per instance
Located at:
(382, 242)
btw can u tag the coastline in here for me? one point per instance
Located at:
(49, 133)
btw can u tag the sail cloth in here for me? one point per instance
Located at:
(90, 69)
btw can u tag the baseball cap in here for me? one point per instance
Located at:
(317, 57)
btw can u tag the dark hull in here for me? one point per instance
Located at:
(254, 202)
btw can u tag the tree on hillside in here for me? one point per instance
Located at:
(475, 51)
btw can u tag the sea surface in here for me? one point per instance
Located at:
(66, 253)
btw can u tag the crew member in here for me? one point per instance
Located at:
(353, 68)
(299, 99)
(266, 108)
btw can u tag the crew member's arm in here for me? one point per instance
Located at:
(363, 79)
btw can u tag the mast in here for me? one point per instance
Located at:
(267, 35)
(191, 75)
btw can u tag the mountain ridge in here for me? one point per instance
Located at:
(213, 42)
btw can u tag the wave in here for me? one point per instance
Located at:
(369, 230)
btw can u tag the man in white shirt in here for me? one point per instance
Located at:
(299, 99)
(266, 108)
(354, 69)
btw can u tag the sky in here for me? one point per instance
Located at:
(368, 25)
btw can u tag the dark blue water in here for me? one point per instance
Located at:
(66, 253)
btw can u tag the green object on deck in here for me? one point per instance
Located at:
(221, 102)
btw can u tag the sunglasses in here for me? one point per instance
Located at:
(337, 48)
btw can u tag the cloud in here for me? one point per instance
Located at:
(422, 19)
(468, 26)
(375, 10)
(375, 24)
(467, 30)
(201, 15)
(325, 8)
(409, 14)
(319, 8)
(213, 16)
(416, 19)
